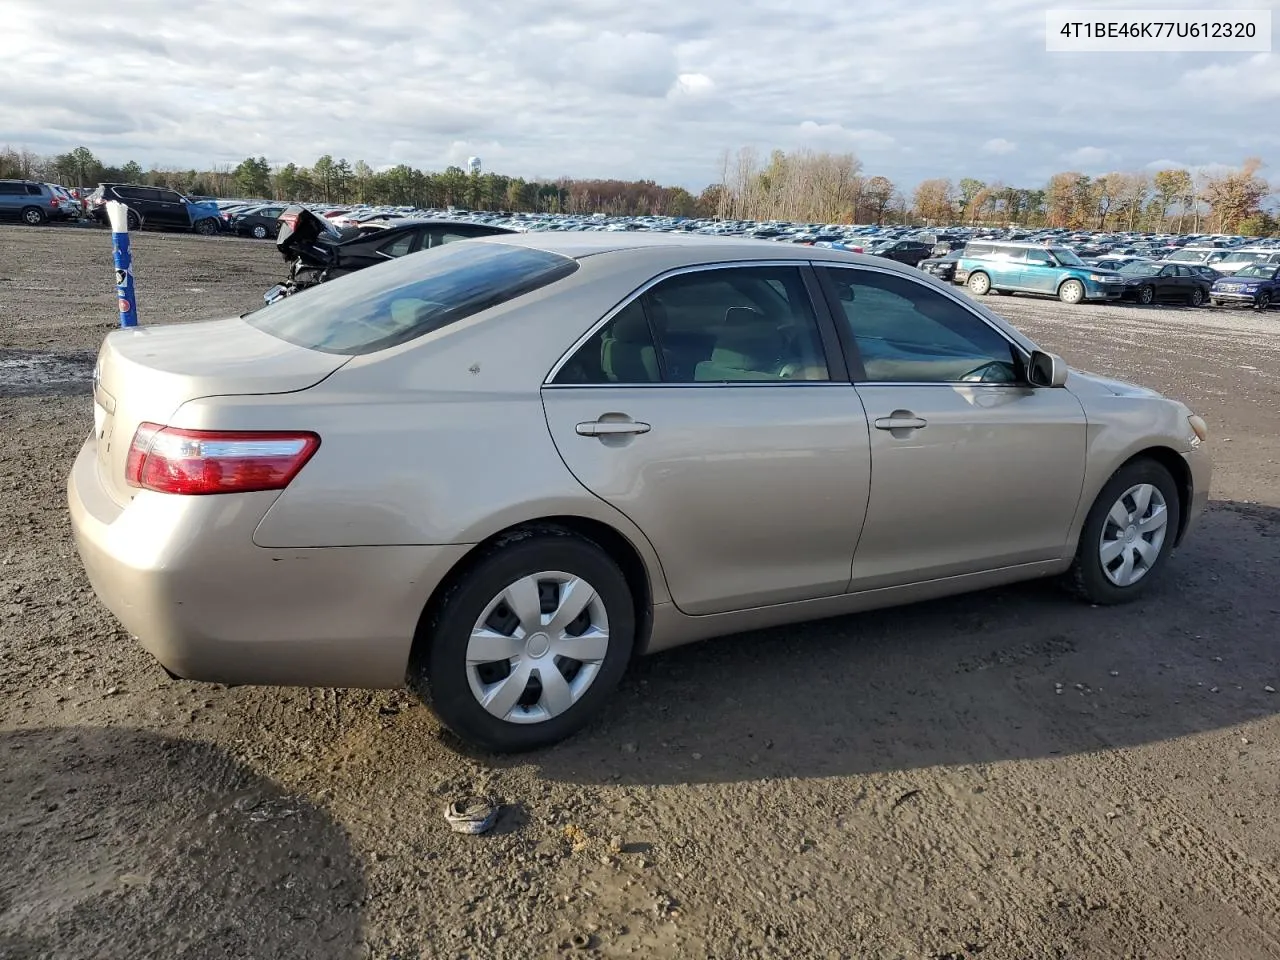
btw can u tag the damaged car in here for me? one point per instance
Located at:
(317, 250)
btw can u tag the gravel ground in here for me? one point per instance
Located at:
(1007, 774)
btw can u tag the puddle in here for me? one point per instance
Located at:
(33, 373)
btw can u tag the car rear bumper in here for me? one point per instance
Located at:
(183, 576)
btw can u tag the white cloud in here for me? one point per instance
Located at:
(835, 133)
(625, 88)
(1090, 157)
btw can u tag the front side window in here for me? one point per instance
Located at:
(399, 246)
(11, 189)
(906, 332)
(403, 299)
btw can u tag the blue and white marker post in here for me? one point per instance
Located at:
(118, 214)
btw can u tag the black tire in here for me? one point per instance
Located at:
(207, 227)
(1071, 291)
(259, 232)
(1197, 297)
(979, 284)
(1217, 303)
(438, 667)
(133, 221)
(1086, 578)
(1264, 301)
(1146, 294)
(33, 216)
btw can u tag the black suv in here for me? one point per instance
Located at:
(156, 207)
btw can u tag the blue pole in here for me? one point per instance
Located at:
(118, 214)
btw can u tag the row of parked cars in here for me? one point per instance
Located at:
(1192, 275)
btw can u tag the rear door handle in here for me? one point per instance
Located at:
(611, 428)
(901, 423)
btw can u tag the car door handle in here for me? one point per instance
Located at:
(901, 423)
(611, 428)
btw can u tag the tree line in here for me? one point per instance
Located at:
(803, 186)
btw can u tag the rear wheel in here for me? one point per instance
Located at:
(1197, 297)
(1127, 535)
(259, 232)
(528, 644)
(979, 284)
(33, 216)
(1072, 291)
(134, 221)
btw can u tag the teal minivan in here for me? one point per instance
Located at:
(1010, 267)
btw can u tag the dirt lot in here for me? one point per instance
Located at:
(909, 784)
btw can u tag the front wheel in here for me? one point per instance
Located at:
(1127, 535)
(1146, 294)
(979, 284)
(1217, 303)
(1263, 301)
(206, 227)
(528, 644)
(1071, 292)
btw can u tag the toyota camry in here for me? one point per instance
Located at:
(499, 470)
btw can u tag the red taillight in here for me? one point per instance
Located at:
(195, 462)
(53, 202)
(289, 218)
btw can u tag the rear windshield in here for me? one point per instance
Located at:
(398, 301)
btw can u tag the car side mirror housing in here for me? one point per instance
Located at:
(1046, 370)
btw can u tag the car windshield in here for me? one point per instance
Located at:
(1261, 271)
(1140, 269)
(407, 298)
(1067, 257)
(1188, 256)
(1244, 258)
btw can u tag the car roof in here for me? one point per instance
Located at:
(580, 244)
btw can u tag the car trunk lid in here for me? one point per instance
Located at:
(146, 373)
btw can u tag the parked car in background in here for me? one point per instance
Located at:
(317, 251)
(260, 223)
(158, 208)
(944, 267)
(1016, 267)
(444, 471)
(910, 252)
(1238, 259)
(29, 201)
(1147, 283)
(1257, 285)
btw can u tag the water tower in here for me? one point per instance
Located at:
(473, 164)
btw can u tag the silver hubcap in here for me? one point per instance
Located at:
(537, 647)
(1133, 534)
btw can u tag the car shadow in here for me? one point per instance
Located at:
(1016, 673)
(119, 844)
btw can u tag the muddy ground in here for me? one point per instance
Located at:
(911, 783)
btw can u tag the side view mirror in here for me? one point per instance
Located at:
(1046, 370)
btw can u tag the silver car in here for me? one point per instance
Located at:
(499, 470)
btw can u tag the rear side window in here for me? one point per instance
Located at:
(403, 299)
(33, 190)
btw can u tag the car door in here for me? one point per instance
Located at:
(715, 413)
(12, 197)
(1039, 272)
(1170, 283)
(165, 208)
(972, 469)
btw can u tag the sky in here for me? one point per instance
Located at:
(652, 89)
